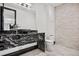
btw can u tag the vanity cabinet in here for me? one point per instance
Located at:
(14, 41)
(13, 38)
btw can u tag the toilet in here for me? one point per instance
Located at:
(49, 43)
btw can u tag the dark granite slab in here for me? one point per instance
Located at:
(41, 41)
(10, 41)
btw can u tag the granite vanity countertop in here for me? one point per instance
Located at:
(19, 31)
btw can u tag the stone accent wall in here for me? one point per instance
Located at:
(67, 25)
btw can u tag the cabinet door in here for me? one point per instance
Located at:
(41, 41)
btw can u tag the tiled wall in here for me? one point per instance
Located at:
(67, 25)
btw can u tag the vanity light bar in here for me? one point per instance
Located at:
(28, 5)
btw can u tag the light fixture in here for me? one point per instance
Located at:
(28, 5)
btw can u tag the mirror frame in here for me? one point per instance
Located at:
(14, 15)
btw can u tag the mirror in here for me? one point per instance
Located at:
(9, 16)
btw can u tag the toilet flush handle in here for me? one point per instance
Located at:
(51, 35)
